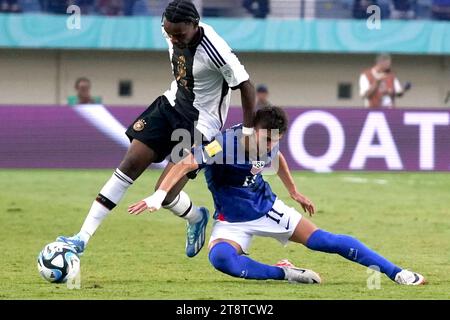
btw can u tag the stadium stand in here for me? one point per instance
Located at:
(324, 9)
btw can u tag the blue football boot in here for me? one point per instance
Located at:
(196, 234)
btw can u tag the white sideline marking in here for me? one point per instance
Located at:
(364, 180)
(355, 180)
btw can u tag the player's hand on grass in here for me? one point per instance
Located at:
(152, 203)
(307, 205)
(141, 206)
(138, 208)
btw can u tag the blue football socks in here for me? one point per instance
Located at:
(351, 249)
(224, 257)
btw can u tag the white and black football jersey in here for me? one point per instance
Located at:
(204, 73)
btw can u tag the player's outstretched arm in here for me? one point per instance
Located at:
(248, 98)
(285, 176)
(174, 175)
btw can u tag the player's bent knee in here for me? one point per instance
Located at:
(322, 240)
(223, 257)
(220, 254)
(138, 157)
(133, 166)
(129, 169)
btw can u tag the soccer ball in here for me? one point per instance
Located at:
(58, 262)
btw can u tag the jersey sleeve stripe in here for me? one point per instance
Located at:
(213, 53)
(214, 48)
(211, 56)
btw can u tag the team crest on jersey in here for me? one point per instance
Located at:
(257, 167)
(139, 125)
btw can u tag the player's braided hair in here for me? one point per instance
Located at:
(272, 118)
(182, 11)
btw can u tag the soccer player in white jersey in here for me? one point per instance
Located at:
(247, 207)
(206, 71)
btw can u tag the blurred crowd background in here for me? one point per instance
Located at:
(336, 9)
(300, 53)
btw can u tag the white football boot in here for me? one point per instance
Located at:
(298, 275)
(409, 278)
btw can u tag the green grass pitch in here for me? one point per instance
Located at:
(404, 216)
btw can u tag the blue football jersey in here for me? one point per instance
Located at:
(235, 181)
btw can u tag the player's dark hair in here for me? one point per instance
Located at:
(81, 79)
(182, 11)
(272, 118)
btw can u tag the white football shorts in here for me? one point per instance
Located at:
(279, 223)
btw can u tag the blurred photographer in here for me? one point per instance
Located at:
(379, 86)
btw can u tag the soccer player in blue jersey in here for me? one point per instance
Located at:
(246, 206)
